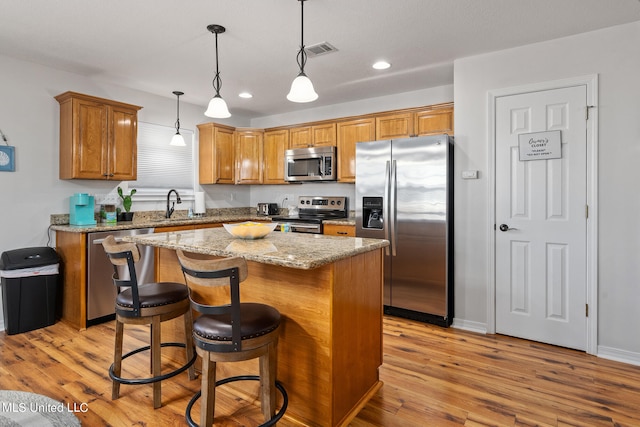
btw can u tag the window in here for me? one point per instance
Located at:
(162, 166)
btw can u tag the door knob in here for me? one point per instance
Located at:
(505, 227)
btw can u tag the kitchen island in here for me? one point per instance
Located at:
(329, 292)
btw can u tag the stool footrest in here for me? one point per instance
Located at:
(149, 380)
(271, 422)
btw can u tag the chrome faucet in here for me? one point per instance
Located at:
(170, 209)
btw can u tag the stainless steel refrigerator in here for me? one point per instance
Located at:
(404, 194)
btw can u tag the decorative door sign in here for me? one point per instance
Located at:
(540, 145)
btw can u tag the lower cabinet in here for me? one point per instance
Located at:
(72, 249)
(340, 230)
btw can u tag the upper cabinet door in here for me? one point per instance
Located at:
(216, 154)
(394, 126)
(324, 135)
(349, 134)
(123, 151)
(300, 137)
(435, 121)
(313, 136)
(275, 144)
(224, 155)
(249, 156)
(89, 145)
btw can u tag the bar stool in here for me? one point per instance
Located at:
(146, 304)
(231, 332)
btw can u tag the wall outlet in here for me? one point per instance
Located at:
(288, 199)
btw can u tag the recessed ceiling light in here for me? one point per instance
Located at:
(381, 65)
(245, 95)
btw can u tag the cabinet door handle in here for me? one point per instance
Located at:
(342, 232)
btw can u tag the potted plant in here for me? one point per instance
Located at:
(127, 215)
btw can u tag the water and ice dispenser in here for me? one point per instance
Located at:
(372, 213)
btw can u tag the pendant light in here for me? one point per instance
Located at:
(177, 139)
(217, 107)
(302, 88)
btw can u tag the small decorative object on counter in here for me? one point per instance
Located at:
(81, 209)
(110, 214)
(126, 204)
(250, 230)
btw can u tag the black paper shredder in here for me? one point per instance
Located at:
(30, 282)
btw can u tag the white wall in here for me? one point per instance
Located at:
(613, 55)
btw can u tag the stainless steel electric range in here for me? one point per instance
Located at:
(312, 210)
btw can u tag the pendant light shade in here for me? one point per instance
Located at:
(177, 139)
(302, 88)
(217, 108)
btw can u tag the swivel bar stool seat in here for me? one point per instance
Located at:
(146, 304)
(231, 331)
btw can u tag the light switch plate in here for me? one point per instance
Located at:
(470, 174)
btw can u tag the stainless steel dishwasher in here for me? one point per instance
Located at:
(101, 292)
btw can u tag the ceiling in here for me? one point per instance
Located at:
(159, 46)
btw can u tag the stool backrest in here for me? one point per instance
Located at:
(124, 254)
(203, 275)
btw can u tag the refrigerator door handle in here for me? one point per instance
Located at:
(392, 209)
(385, 204)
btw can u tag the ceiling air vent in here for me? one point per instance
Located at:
(319, 49)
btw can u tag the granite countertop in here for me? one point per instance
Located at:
(155, 219)
(294, 250)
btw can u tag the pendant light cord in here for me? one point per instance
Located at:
(217, 82)
(301, 58)
(178, 114)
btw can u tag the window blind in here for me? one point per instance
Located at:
(162, 166)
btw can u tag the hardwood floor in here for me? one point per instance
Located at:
(432, 377)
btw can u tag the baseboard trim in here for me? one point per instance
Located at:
(618, 355)
(470, 326)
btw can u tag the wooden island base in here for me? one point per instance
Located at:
(330, 346)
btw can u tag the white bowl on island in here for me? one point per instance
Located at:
(250, 230)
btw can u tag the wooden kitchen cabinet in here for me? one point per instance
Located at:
(434, 121)
(349, 134)
(394, 126)
(98, 138)
(339, 230)
(216, 154)
(276, 142)
(313, 135)
(249, 147)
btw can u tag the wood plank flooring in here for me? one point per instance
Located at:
(432, 377)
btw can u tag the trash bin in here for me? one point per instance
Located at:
(29, 288)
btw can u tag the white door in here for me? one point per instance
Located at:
(541, 222)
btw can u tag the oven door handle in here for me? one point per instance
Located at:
(303, 226)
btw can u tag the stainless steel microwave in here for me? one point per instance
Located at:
(310, 164)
